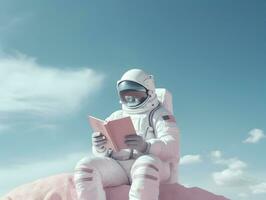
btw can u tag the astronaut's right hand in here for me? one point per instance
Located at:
(98, 140)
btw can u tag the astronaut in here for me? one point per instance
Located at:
(153, 152)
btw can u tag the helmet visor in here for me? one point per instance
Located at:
(131, 93)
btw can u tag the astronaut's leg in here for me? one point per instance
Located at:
(93, 174)
(147, 172)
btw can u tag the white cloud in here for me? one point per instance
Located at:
(230, 177)
(216, 154)
(21, 174)
(258, 188)
(190, 159)
(232, 163)
(255, 135)
(28, 87)
(233, 174)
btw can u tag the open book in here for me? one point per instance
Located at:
(114, 130)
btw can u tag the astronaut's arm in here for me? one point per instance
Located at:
(166, 145)
(101, 152)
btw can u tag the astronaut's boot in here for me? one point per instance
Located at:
(88, 182)
(145, 179)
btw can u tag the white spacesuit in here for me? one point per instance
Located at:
(152, 155)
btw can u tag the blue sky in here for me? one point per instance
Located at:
(60, 60)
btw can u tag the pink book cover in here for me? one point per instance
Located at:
(114, 130)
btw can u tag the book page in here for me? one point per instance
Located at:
(98, 125)
(118, 129)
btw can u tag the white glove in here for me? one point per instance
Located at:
(136, 142)
(99, 140)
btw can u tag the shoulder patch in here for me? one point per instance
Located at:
(169, 118)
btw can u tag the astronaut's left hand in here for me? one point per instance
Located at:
(136, 142)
